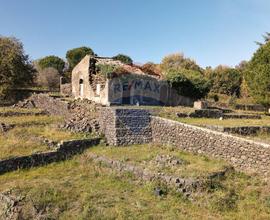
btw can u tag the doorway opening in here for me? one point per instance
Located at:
(81, 88)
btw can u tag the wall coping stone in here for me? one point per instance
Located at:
(214, 132)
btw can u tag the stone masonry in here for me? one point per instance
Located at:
(244, 154)
(123, 126)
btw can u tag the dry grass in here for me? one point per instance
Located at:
(80, 189)
(29, 134)
(265, 121)
(143, 155)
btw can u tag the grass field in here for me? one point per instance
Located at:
(29, 134)
(81, 189)
(145, 155)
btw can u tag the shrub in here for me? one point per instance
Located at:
(110, 71)
(123, 58)
(188, 83)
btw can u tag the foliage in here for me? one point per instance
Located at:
(188, 83)
(178, 61)
(110, 70)
(52, 61)
(15, 67)
(123, 58)
(266, 38)
(81, 189)
(257, 75)
(226, 80)
(74, 56)
(48, 78)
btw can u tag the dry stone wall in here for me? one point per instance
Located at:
(123, 126)
(64, 150)
(51, 105)
(243, 154)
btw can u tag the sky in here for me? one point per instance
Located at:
(211, 32)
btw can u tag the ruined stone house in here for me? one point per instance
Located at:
(124, 85)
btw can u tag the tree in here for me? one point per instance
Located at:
(266, 38)
(123, 58)
(49, 78)
(15, 68)
(257, 75)
(188, 83)
(74, 56)
(226, 80)
(52, 61)
(178, 61)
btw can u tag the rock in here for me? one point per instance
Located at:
(5, 127)
(167, 161)
(83, 117)
(158, 192)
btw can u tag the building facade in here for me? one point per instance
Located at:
(131, 86)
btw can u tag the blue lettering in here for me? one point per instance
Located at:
(117, 88)
(147, 86)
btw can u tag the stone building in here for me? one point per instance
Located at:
(121, 84)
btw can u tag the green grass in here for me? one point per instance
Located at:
(81, 189)
(265, 121)
(144, 155)
(29, 133)
(31, 120)
(19, 110)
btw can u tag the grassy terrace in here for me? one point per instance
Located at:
(29, 133)
(20, 110)
(81, 189)
(145, 155)
(265, 121)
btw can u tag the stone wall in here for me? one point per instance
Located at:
(66, 89)
(64, 150)
(242, 130)
(255, 107)
(123, 126)
(52, 105)
(243, 154)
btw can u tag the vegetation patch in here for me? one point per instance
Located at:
(81, 189)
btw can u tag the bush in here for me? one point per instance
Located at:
(110, 71)
(123, 58)
(52, 61)
(188, 83)
(257, 75)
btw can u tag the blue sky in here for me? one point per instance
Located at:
(212, 32)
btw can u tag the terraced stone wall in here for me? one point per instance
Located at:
(123, 126)
(244, 154)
